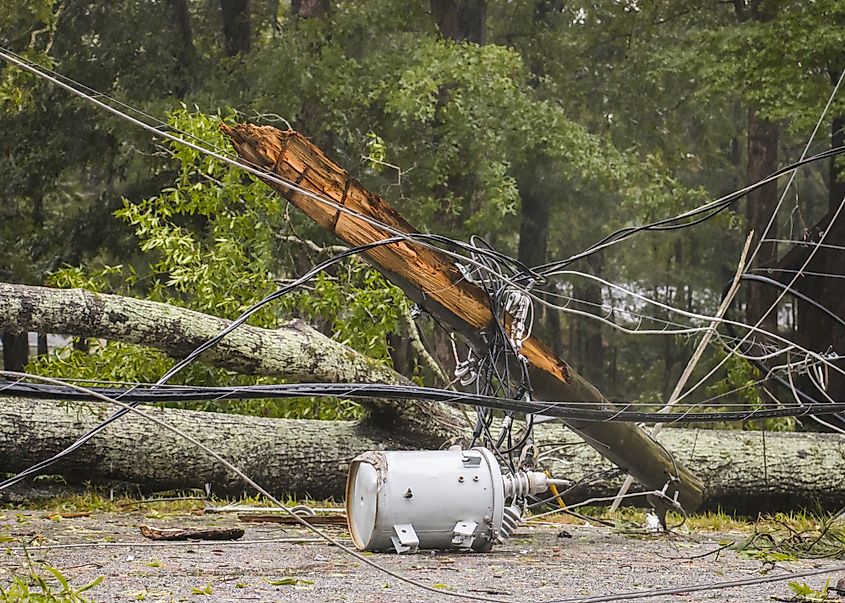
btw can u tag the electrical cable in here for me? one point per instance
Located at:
(562, 409)
(788, 384)
(41, 465)
(370, 562)
(750, 328)
(794, 293)
(710, 210)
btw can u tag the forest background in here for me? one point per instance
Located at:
(538, 125)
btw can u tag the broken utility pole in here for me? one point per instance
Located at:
(432, 280)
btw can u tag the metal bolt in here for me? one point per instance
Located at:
(475, 478)
(461, 478)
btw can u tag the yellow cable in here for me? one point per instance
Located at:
(553, 490)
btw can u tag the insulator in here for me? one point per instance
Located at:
(511, 517)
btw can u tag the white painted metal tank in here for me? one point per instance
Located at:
(433, 499)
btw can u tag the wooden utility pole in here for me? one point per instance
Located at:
(431, 279)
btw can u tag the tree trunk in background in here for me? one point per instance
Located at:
(457, 20)
(533, 228)
(588, 345)
(15, 350)
(237, 33)
(42, 349)
(816, 330)
(185, 50)
(533, 251)
(762, 161)
(461, 20)
(310, 9)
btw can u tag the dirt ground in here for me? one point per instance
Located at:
(539, 564)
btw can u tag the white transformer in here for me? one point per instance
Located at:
(434, 499)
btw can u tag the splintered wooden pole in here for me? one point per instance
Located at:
(431, 278)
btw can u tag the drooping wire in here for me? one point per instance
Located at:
(399, 576)
(571, 410)
(41, 465)
(700, 214)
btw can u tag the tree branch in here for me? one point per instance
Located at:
(294, 351)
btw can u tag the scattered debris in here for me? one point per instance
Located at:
(780, 541)
(317, 520)
(57, 516)
(207, 533)
(288, 581)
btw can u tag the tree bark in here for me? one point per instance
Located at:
(42, 349)
(185, 50)
(431, 279)
(746, 472)
(293, 351)
(310, 458)
(534, 215)
(289, 456)
(762, 161)
(237, 31)
(461, 20)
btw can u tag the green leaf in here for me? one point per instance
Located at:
(62, 580)
(207, 590)
(90, 585)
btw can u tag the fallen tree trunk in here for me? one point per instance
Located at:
(303, 457)
(294, 351)
(747, 472)
(431, 278)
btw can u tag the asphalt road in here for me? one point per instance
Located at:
(537, 565)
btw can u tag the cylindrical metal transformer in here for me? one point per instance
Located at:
(434, 499)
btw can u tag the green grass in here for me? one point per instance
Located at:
(44, 584)
(92, 502)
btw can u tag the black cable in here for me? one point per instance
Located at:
(561, 409)
(761, 366)
(41, 465)
(709, 210)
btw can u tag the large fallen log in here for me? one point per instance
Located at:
(431, 279)
(304, 457)
(293, 351)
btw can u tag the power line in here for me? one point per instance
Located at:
(709, 210)
(561, 409)
(41, 465)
